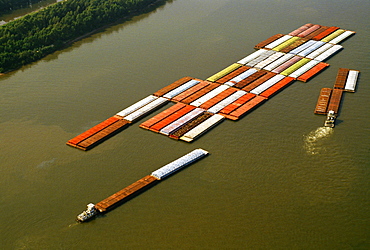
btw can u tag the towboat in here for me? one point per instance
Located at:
(330, 119)
(90, 212)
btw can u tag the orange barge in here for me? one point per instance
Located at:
(267, 41)
(233, 106)
(208, 104)
(164, 114)
(277, 87)
(340, 81)
(325, 33)
(191, 91)
(98, 133)
(171, 118)
(312, 72)
(316, 32)
(246, 108)
(172, 86)
(330, 99)
(335, 99)
(323, 101)
(126, 193)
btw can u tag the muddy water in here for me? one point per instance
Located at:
(274, 180)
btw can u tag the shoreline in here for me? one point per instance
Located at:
(66, 44)
(21, 16)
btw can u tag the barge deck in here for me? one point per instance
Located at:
(298, 55)
(329, 99)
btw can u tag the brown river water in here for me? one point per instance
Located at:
(273, 180)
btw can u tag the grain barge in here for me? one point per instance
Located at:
(140, 185)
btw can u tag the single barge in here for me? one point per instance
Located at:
(323, 101)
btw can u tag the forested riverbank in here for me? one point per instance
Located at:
(33, 36)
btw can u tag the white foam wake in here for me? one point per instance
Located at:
(313, 141)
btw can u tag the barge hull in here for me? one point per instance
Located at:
(200, 93)
(312, 72)
(190, 91)
(335, 100)
(236, 104)
(323, 101)
(250, 79)
(171, 118)
(232, 74)
(259, 81)
(277, 87)
(300, 29)
(267, 41)
(218, 98)
(126, 193)
(172, 86)
(190, 125)
(159, 117)
(202, 128)
(246, 108)
(351, 81)
(92, 131)
(104, 134)
(325, 33)
(340, 81)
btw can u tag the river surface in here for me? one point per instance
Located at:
(273, 180)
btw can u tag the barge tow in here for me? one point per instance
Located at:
(140, 185)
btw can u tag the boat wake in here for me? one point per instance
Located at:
(74, 224)
(313, 141)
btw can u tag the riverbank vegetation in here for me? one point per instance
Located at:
(33, 36)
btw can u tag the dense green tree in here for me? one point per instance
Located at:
(35, 35)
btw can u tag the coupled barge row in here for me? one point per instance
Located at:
(329, 99)
(230, 93)
(140, 185)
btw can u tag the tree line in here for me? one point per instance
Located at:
(35, 35)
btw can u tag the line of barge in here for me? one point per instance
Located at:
(140, 185)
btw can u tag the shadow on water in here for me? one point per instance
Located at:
(98, 33)
(338, 121)
(120, 24)
(313, 142)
